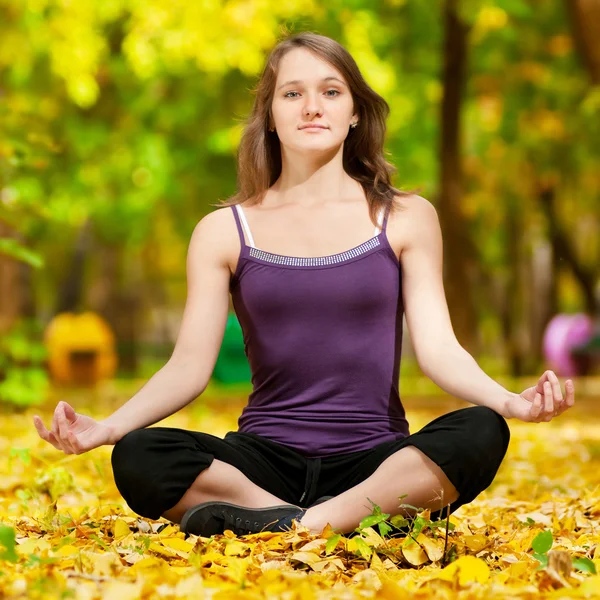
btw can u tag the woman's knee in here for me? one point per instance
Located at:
(486, 436)
(127, 456)
(132, 464)
(154, 467)
(489, 429)
(126, 452)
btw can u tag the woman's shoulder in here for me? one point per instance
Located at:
(411, 201)
(413, 215)
(217, 220)
(411, 207)
(219, 231)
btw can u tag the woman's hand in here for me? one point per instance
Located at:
(542, 402)
(74, 433)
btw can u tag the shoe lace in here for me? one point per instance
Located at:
(238, 525)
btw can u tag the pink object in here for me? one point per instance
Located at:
(563, 333)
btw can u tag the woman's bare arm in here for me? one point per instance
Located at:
(187, 372)
(438, 352)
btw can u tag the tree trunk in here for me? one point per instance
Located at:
(513, 318)
(563, 249)
(585, 25)
(9, 298)
(458, 259)
(72, 288)
(542, 302)
(115, 299)
(16, 285)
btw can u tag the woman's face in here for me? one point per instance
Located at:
(309, 91)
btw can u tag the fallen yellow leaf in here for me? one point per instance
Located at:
(235, 548)
(372, 537)
(123, 590)
(475, 542)
(414, 554)
(67, 550)
(149, 562)
(465, 570)
(163, 550)
(177, 543)
(33, 545)
(317, 544)
(590, 588)
(305, 557)
(434, 548)
(120, 529)
(376, 563)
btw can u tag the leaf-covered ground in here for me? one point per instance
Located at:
(535, 533)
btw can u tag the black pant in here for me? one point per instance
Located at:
(153, 467)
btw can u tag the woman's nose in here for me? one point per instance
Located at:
(312, 106)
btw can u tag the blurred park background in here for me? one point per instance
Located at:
(119, 126)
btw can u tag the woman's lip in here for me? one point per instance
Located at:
(313, 127)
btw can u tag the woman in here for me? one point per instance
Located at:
(322, 257)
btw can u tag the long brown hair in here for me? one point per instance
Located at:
(259, 153)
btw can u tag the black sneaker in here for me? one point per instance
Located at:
(211, 518)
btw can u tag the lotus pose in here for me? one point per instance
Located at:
(323, 259)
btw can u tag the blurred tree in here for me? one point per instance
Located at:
(458, 255)
(124, 119)
(585, 20)
(530, 123)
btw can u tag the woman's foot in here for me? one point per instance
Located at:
(211, 518)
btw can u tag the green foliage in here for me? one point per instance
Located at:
(332, 543)
(23, 454)
(100, 543)
(11, 247)
(55, 481)
(34, 561)
(388, 528)
(541, 545)
(23, 378)
(584, 564)
(363, 548)
(376, 518)
(129, 114)
(542, 542)
(142, 544)
(8, 544)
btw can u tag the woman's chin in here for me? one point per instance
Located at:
(314, 146)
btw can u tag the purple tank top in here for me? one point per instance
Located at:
(323, 337)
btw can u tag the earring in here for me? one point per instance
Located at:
(353, 125)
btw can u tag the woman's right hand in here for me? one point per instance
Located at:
(74, 433)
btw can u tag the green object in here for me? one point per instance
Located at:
(232, 365)
(8, 544)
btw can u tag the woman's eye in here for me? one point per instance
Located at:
(287, 95)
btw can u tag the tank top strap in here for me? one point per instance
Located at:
(386, 214)
(382, 218)
(242, 226)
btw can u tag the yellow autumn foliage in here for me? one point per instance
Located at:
(75, 537)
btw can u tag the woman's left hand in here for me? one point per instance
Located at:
(542, 402)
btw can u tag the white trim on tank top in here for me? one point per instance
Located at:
(245, 225)
(251, 239)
